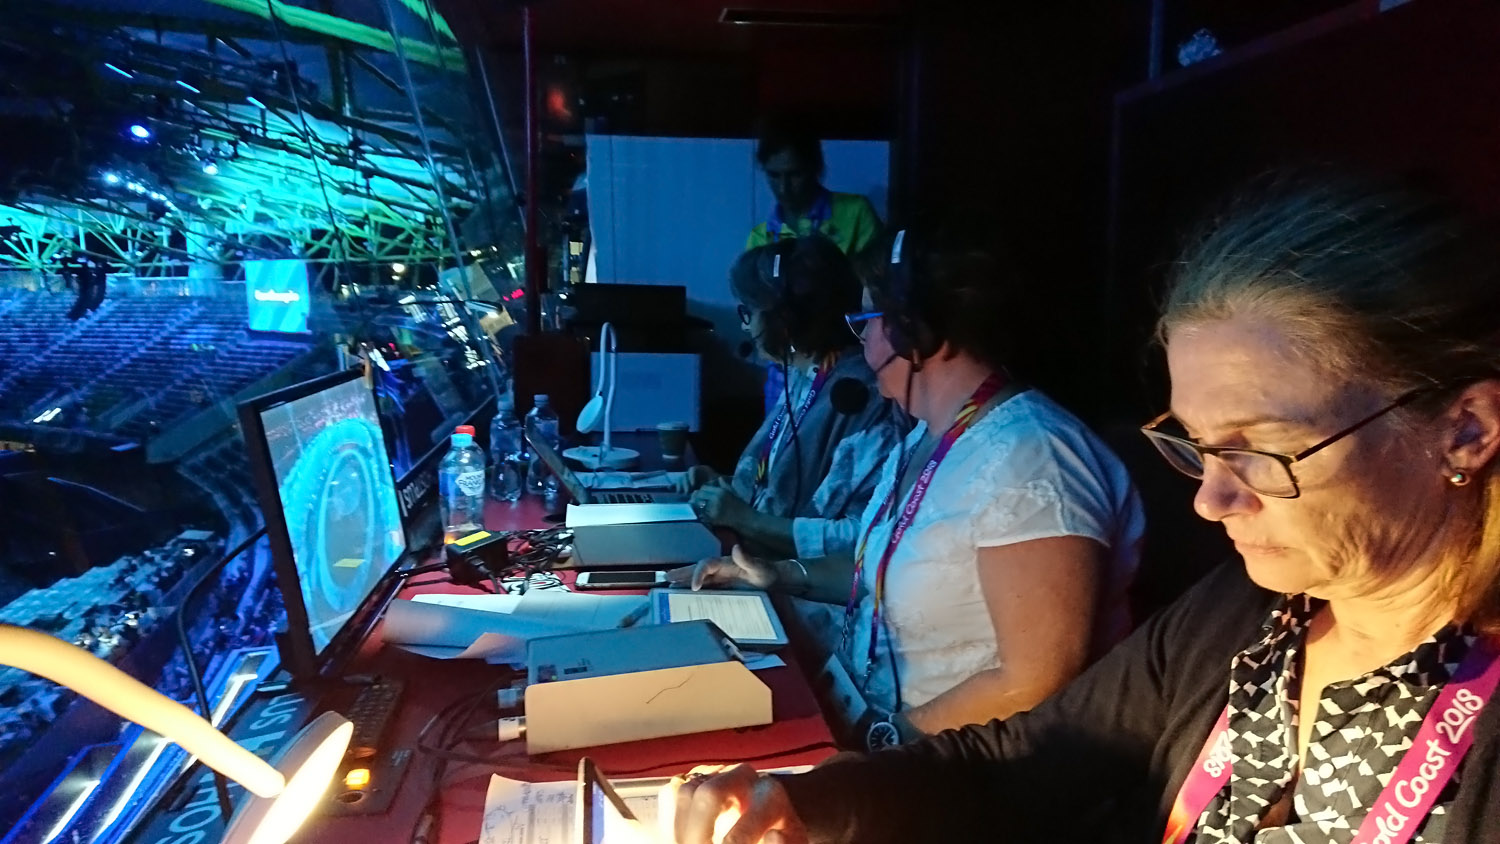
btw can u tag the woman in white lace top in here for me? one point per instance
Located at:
(996, 550)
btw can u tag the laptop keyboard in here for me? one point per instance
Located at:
(626, 498)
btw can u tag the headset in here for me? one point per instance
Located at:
(794, 301)
(911, 337)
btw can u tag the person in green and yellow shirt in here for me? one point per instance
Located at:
(793, 163)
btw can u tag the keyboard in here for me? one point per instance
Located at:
(372, 713)
(627, 498)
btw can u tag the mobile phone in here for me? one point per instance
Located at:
(621, 579)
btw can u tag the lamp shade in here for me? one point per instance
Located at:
(93, 678)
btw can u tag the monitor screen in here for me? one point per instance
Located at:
(338, 499)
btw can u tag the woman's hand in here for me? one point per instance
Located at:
(735, 805)
(737, 571)
(696, 477)
(722, 507)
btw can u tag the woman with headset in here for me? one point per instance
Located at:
(800, 485)
(993, 559)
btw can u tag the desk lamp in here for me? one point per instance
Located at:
(283, 796)
(598, 414)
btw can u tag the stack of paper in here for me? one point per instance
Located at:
(497, 627)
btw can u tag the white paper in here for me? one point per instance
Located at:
(578, 610)
(487, 603)
(542, 813)
(590, 515)
(452, 632)
(741, 615)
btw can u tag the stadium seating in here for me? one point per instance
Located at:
(133, 368)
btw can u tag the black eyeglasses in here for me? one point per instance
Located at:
(744, 315)
(857, 322)
(1266, 472)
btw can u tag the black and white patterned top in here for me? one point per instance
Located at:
(1363, 727)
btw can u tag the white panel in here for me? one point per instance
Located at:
(654, 388)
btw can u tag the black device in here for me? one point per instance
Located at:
(372, 712)
(323, 477)
(476, 556)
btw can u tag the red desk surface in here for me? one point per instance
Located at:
(799, 735)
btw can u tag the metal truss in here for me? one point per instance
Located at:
(336, 184)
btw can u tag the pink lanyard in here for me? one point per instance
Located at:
(966, 415)
(763, 466)
(1444, 737)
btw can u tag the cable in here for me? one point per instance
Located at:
(475, 332)
(786, 394)
(220, 783)
(286, 63)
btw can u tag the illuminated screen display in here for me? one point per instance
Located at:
(338, 498)
(278, 295)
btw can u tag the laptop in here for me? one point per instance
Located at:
(583, 495)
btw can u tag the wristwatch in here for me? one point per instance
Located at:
(890, 731)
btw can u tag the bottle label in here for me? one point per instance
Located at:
(470, 483)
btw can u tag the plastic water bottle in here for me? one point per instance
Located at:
(461, 482)
(507, 454)
(541, 426)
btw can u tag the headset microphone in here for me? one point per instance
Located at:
(888, 361)
(849, 396)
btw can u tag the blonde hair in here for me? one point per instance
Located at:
(1376, 283)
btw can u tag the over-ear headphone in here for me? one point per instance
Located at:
(800, 298)
(910, 336)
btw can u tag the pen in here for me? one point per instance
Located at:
(636, 615)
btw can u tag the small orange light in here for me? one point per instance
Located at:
(357, 778)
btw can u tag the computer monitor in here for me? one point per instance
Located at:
(325, 486)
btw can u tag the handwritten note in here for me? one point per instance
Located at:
(543, 812)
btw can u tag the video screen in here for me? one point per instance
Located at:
(277, 293)
(338, 498)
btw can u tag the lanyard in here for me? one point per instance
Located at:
(1441, 742)
(820, 213)
(966, 416)
(824, 370)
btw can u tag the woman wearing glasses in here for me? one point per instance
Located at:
(993, 559)
(1335, 365)
(801, 483)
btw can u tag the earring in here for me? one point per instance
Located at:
(1458, 478)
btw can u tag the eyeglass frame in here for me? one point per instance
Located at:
(858, 320)
(1286, 460)
(745, 314)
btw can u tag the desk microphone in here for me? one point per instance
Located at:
(849, 396)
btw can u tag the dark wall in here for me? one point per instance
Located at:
(1008, 128)
(1412, 90)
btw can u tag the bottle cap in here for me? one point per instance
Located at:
(464, 429)
(540, 398)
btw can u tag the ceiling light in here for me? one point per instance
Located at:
(210, 168)
(189, 87)
(111, 178)
(125, 73)
(398, 268)
(140, 131)
(257, 103)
